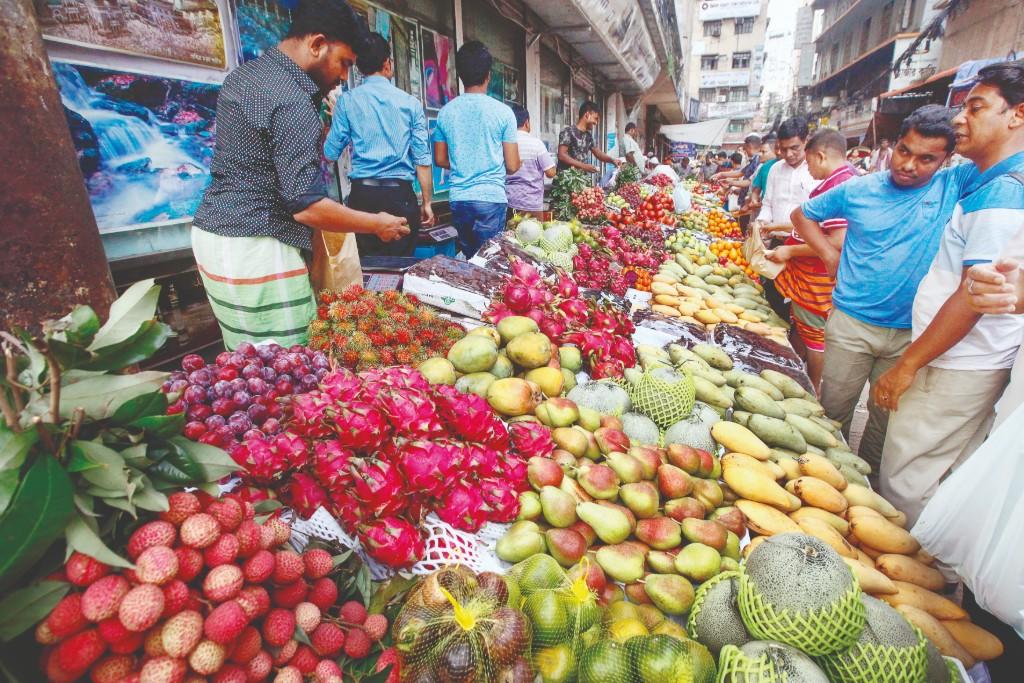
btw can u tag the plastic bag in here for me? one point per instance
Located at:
(682, 199)
(977, 535)
(753, 252)
(335, 261)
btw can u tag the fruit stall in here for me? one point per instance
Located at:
(588, 454)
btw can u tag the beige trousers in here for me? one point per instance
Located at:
(941, 420)
(857, 353)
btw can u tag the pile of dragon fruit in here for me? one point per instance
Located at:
(381, 449)
(602, 333)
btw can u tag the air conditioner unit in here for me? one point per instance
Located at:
(722, 99)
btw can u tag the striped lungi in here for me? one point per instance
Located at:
(808, 285)
(258, 288)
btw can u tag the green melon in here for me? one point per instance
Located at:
(790, 665)
(715, 619)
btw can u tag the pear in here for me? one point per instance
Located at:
(611, 422)
(623, 562)
(561, 411)
(620, 611)
(570, 486)
(729, 565)
(612, 594)
(670, 628)
(589, 419)
(541, 472)
(626, 466)
(565, 460)
(584, 530)
(621, 508)
(641, 498)
(661, 562)
(600, 481)
(635, 593)
(650, 615)
(674, 482)
(670, 593)
(685, 458)
(732, 547)
(609, 440)
(515, 547)
(572, 440)
(565, 545)
(649, 458)
(705, 531)
(708, 492)
(558, 507)
(610, 524)
(684, 508)
(661, 533)
(529, 505)
(731, 518)
(591, 573)
(593, 450)
(698, 562)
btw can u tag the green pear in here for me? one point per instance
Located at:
(661, 562)
(529, 505)
(670, 628)
(698, 562)
(670, 593)
(610, 525)
(641, 497)
(569, 439)
(558, 507)
(623, 562)
(626, 466)
(590, 419)
(732, 547)
(729, 565)
(618, 611)
(569, 357)
(515, 547)
(661, 533)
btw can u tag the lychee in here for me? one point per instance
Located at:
(113, 669)
(190, 563)
(226, 622)
(318, 563)
(158, 565)
(260, 567)
(207, 658)
(254, 600)
(200, 530)
(248, 645)
(163, 669)
(327, 639)
(151, 534)
(357, 643)
(307, 616)
(248, 534)
(223, 582)
(141, 607)
(182, 633)
(82, 570)
(353, 612)
(278, 627)
(181, 505)
(288, 566)
(288, 674)
(223, 551)
(376, 626)
(227, 512)
(102, 598)
(176, 597)
(323, 593)
(80, 651)
(259, 666)
(67, 618)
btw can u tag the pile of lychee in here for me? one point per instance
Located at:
(214, 596)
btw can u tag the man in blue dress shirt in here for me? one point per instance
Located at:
(388, 133)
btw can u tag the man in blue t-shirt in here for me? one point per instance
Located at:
(476, 138)
(894, 224)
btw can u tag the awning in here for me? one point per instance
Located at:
(935, 77)
(706, 133)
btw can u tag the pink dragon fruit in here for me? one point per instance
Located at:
(524, 271)
(304, 494)
(531, 438)
(463, 507)
(392, 541)
(260, 460)
(292, 449)
(361, 426)
(567, 286)
(347, 509)
(471, 418)
(331, 463)
(401, 377)
(483, 462)
(378, 486)
(517, 297)
(502, 499)
(515, 472)
(427, 465)
(309, 413)
(411, 413)
(341, 385)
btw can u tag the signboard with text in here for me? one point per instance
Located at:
(710, 10)
(723, 79)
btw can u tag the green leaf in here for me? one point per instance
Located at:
(121, 504)
(135, 456)
(169, 469)
(148, 497)
(109, 472)
(68, 355)
(31, 375)
(83, 325)
(396, 586)
(160, 426)
(14, 446)
(8, 485)
(36, 517)
(215, 462)
(153, 403)
(24, 608)
(301, 636)
(84, 504)
(149, 338)
(100, 395)
(134, 307)
(267, 506)
(82, 538)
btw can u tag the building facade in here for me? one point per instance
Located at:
(726, 60)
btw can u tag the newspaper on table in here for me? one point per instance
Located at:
(451, 285)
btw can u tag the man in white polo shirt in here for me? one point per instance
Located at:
(945, 386)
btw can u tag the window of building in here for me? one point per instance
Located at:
(865, 36)
(745, 24)
(713, 29)
(886, 21)
(737, 126)
(910, 10)
(738, 94)
(741, 60)
(708, 62)
(707, 94)
(833, 58)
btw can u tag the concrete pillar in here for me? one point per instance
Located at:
(51, 256)
(532, 83)
(460, 35)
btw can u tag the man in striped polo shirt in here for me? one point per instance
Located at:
(388, 133)
(945, 386)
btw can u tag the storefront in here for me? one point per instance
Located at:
(506, 42)
(554, 97)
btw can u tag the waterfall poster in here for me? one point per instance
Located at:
(179, 30)
(262, 24)
(144, 143)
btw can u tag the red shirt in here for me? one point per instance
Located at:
(839, 176)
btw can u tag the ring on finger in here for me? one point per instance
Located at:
(970, 286)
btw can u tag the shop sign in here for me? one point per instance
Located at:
(923, 63)
(710, 10)
(722, 79)
(728, 110)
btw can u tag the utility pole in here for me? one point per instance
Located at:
(51, 256)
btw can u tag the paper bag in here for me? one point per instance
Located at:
(335, 261)
(753, 251)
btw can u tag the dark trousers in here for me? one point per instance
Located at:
(398, 201)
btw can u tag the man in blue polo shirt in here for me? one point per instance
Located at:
(388, 133)
(894, 222)
(945, 387)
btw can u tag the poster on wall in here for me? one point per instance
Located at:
(187, 31)
(438, 71)
(496, 88)
(262, 24)
(144, 143)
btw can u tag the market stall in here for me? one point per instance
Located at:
(587, 454)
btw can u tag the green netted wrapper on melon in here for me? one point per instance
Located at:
(665, 396)
(715, 619)
(767, 662)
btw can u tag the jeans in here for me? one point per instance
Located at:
(476, 223)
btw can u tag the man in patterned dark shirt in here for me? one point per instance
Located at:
(576, 143)
(268, 197)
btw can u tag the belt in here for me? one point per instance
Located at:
(381, 182)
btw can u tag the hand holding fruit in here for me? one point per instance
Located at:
(390, 228)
